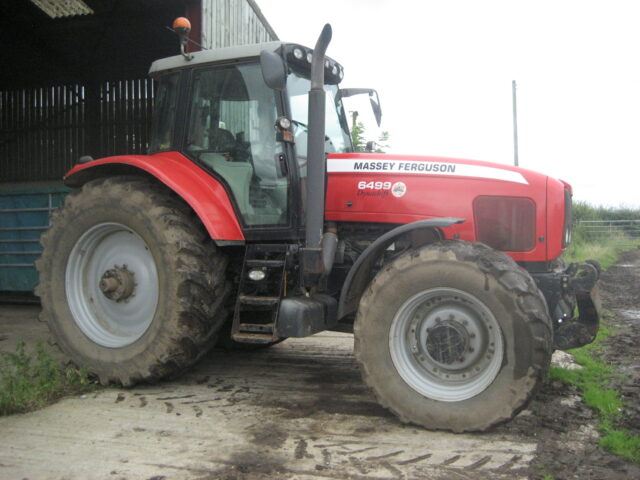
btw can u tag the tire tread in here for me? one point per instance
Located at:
(201, 289)
(515, 279)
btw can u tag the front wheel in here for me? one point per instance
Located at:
(453, 336)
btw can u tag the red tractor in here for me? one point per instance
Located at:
(252, 220)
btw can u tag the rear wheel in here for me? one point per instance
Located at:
(453, 336)
(131, 287)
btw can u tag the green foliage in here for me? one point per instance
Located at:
(357, 136)
(620, 442)
(27, 384)
(359, 139)
(605, 249)
(585, 211)
(593, 381)
(381, 145)
(582, 211)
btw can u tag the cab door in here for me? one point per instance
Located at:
(231, 133)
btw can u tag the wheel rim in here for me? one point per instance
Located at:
(446, 344)
(112, 285)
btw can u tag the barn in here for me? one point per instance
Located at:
(74, 82)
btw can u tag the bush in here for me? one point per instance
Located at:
(27, 384)
(582, 211)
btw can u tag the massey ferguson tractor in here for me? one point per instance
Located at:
(252, 220)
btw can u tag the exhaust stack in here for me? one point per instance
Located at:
(315, 263)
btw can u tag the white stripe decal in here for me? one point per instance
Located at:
(413, 167)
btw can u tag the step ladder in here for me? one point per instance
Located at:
(258, 302)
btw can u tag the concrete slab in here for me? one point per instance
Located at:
(297, 410)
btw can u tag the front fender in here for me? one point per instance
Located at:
(201, 191)
(360, 274)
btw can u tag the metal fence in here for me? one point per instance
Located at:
(626, 231)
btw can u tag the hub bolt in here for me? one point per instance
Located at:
(117, 284)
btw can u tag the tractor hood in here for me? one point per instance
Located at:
(399, 189)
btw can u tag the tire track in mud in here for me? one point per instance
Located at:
(298, 410)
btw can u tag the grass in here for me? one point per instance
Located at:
(594, 378)
(586, 244)
(604, 249)
(620, 442)
(29, 382)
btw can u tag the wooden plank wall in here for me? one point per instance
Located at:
(43, 131)
(228, 23)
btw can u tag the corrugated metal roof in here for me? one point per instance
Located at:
(63, 8)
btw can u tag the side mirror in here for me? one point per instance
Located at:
(375, 106)
(373, 98)
(274, 70)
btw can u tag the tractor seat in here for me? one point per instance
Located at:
(221, 140)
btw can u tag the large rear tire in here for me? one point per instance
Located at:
(453, 336)
(132, 288)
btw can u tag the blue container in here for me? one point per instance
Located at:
(24, 216)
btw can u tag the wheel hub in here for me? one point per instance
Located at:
(117, 284)
(110, 304)
(447, 342)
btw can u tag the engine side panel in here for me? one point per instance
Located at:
(201, 191)
(403, 189)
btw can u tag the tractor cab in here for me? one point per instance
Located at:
(217, 109)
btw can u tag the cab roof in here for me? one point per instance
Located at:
(212, 56)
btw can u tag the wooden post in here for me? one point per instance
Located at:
(91, 145)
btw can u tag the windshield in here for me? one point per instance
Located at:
(337, 139)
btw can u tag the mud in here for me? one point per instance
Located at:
(299, 410)
(621, 293)
(564, 427)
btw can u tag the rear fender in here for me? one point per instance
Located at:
(200, 190)
(422, 232)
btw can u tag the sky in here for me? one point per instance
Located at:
(444, 71)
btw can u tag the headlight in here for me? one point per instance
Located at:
(568, 219)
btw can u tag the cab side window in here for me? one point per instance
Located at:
(164, 118)
(232, 131)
